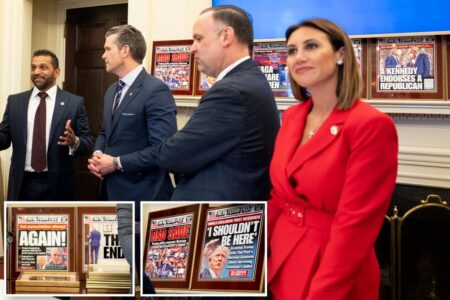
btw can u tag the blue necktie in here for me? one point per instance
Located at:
(118, 95)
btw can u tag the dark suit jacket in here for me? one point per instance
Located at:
(61, 171)
(205, 273)
(95, 236)
(423, 64)
(146, 116)
(224, 150)
(391, 62)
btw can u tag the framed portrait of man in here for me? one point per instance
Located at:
(43, 239)
(231, 249)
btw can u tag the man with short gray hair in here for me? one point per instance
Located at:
(224, 150)
(46, 127)
(215, 258)
(56, 260)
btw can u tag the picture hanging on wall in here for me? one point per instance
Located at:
(448, 67)
(271, 57)
(203, 82)
(172, 63)
(360, 50)
(407, 68)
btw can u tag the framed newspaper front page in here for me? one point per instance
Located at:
(407, 68)
(43, 239)
(360, 49)
(169, 246)
(448, 67)
(98, 239)
(203, 82)
(271, 57)
(172, 63)
(230, 251)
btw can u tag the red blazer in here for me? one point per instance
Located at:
(328, 203)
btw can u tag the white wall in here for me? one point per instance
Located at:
(15, 19)
(43, 35)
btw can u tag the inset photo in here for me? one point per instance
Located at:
(204, 249)
(74, 248)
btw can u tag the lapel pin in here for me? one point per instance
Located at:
(61, 103)
(131, 93)
(334, 130)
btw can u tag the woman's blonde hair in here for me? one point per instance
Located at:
(349, 84)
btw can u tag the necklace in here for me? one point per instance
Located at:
(311, 133)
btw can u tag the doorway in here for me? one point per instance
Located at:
(86, 75)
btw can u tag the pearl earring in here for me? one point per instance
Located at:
(340, 62)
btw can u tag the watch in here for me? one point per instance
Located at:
(75, 146)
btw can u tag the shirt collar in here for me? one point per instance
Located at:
(51, 92)
(231, 67)
(131, 76)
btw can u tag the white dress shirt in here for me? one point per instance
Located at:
(32, 107)
(231, 67)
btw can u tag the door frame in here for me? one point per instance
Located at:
(62, 8)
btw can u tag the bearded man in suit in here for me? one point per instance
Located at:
(47, 127)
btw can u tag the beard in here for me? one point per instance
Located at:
(42, 82)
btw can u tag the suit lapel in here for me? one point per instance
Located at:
(61, 102)
(107, 109)
(295, 130)
(23, 117)
(292, 134)
(132, 92)
(328, 132)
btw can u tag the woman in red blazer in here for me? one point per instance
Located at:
(333, 173)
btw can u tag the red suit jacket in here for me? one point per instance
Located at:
(328, 203)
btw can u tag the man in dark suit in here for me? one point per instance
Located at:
(392, 60)
(423, 63)
(46, 127)
(94, 243)
(139, 111)
(224, 150)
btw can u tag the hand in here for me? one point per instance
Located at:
(68, 139)
(93, 164)
(101, 164)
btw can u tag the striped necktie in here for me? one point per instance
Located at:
(118, 95)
